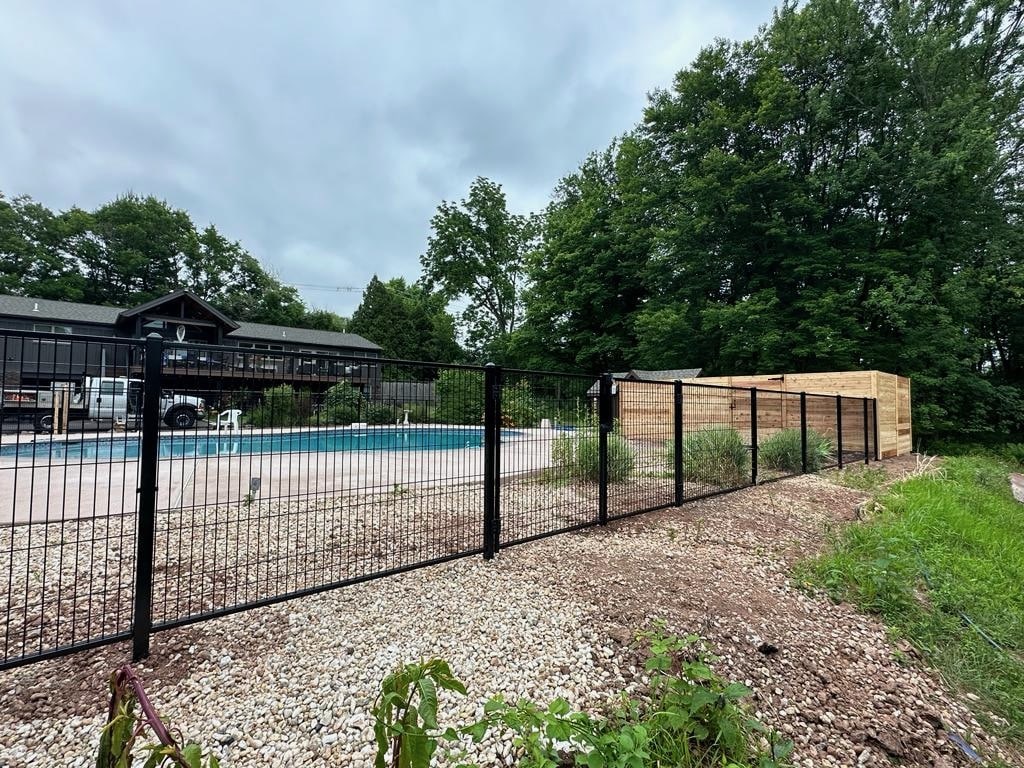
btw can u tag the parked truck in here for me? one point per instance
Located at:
(97, 399)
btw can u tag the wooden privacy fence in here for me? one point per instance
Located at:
(647, 412)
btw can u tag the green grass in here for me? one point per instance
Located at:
(863, 478)
(943, 564)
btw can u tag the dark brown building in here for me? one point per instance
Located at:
(209, 346)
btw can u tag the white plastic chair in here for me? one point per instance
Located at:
(229, 419)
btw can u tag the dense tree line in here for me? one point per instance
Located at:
(135, 249)
(841, 192)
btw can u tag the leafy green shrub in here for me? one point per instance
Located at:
(281, 406)
(460, 396)
(519, 407)
(342, 403)
(577, 455)
(378, 413)
(715, 455)
(693, 719)
(336, 414)
(784, 451)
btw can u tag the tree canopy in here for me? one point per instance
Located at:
(407, 321)
(477, 253)
(840, 192)
(135, 249)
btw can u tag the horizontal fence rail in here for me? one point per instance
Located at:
(148, 484)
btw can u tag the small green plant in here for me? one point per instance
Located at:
(696, 718)
(784, 451)
(123, 729)
(714, 455)
(405, 713)
(577, 455)
(690, 719)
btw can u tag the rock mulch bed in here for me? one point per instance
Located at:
(292, 684)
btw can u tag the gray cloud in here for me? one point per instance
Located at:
(323, 135)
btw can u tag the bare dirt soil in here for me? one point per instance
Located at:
(290, 684)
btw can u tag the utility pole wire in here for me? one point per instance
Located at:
(336, 288)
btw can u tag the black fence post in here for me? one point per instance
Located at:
(753, 435)
(866, 459)
(142, 613)
(499, 383)
(839, 429)
(803, 432)
(605, 425)
(492, 435)
(874, 419)
(677, 440)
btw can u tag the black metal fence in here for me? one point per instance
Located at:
(148, 484)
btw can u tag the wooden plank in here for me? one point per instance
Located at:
(707, 406)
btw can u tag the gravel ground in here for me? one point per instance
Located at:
(291, 684)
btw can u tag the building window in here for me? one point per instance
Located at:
(47, 328)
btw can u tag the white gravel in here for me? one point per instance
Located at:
(292, 684)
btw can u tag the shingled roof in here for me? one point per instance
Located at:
(636, 374)
(74, 312)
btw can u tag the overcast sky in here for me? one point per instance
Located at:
(323, 135)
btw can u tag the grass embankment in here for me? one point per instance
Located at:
(943, 563)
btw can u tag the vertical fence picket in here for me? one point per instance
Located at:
(753, 435)
(142, 615)
(605, 425)
(677, 441)
(874, 419)
(492, 431)
(803, 432)
(839, 430)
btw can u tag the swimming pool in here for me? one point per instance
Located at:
(201, 445)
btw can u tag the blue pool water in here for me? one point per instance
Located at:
(205, 444)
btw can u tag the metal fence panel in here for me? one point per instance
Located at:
(640, 448)
(149, 484)
(312, 481)
(67, 500)
(717, 439)
(549, 455)
(822, 422)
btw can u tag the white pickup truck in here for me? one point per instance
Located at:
(98, 399)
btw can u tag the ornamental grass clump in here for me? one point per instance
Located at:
(784, 451)
(577, 455)
(715, 455)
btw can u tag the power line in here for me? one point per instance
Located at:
(335, 288)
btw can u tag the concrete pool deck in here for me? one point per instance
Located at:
(39, 491)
